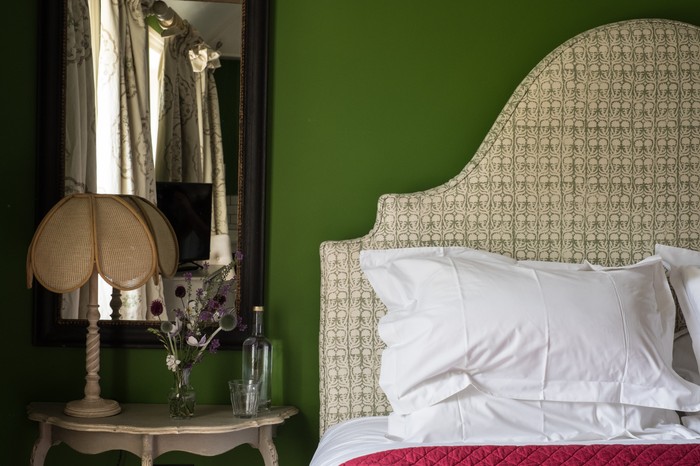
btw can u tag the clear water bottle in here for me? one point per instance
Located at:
(257, 359)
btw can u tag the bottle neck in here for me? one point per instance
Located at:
(257, 323)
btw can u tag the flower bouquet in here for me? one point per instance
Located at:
(204, 313)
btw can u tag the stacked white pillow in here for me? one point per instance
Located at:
(684, 362)
(479, 343)
(683, 267)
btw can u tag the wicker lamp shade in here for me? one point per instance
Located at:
(125, 239)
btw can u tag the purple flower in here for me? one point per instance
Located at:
(238, 255)
(213, 305)
(192, 331)
(180, 291)
(214, 345)
(240, 324)
(156, 307)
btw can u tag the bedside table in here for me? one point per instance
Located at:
(147, 431)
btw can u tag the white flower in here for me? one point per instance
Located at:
(172, 362)
(192, 341)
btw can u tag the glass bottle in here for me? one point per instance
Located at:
(257, 359)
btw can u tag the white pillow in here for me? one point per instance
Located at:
(684, 362)
(474, 417)
(666, 306)
(388, 255)
(456, 320)
(684, 274)
(674, 256)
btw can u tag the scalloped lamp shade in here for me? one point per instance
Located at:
(125, 239)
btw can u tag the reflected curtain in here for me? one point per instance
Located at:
(118, 136)
(189, 145)
(79, 130)
(123, 126)
(80, 92)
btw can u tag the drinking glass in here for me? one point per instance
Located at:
(244, 397)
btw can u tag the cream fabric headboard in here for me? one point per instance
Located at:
(595, 156)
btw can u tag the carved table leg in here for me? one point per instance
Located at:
(266, 446)
(147, 450)
(41, 446)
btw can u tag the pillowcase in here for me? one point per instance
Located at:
(674, 256)
(666, 307)
(684, 274)
(684, 362)
(389, 255)
(461, 318)
(474, 417)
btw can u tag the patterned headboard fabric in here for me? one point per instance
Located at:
(595, 156)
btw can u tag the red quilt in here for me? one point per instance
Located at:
(545, 455)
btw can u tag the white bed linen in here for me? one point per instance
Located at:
(366, 435)
(523, 333)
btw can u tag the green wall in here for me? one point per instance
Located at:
(367, 97)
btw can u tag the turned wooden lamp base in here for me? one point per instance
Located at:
(92, 408)
(92, 405)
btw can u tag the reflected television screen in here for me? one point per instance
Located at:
(188, 207)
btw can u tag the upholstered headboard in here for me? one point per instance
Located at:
(595, 156)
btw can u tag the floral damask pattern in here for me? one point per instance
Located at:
(79, 154)
(189, 134)
(596, 156)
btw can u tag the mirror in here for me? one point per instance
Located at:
(48, 326)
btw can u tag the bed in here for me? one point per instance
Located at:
(540, 306)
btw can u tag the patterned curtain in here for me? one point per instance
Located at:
(213, 150)
(189, 133)
(107, 121)
(80, 92)
(123, 133)
(80, 171)
(123, 124)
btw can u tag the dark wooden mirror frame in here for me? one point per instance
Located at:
(48, 327)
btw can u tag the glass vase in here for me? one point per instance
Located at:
(182, 397)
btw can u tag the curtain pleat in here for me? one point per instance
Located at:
(79, 91)
(123, 127)
(79, 130)
(189, 135)
(215, 153)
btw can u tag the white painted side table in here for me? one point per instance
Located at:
(147, 431)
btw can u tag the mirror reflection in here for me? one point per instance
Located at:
(249, 89)
(151, 108)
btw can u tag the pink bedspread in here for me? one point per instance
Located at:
(546, 455)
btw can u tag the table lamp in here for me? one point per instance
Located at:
(125, 239)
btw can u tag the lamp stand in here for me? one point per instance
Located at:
(92, 405)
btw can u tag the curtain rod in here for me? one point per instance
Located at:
(171, 23)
